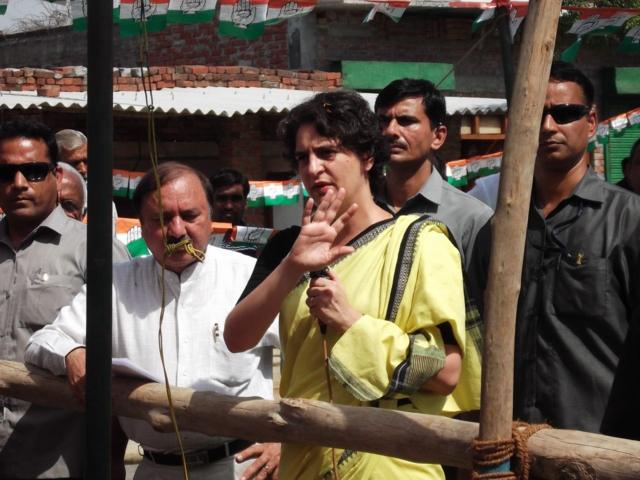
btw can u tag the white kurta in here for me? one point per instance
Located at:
(197, 303)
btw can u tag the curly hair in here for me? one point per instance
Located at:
(342, 115)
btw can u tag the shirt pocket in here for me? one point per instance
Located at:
(234, 369)
(44, 296)
(580, 289)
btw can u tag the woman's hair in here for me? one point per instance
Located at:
(342, 115)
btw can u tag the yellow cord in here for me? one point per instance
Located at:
(169, 248)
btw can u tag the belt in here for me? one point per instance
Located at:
(199, 457)
(389, 403)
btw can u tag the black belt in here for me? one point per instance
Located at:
(199, 457)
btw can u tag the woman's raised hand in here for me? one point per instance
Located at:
(315, 247)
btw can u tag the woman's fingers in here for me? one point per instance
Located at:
(306, 214)
(343, 219)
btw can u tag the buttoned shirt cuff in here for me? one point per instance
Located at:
(50, 353)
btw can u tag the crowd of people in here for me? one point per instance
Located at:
(388, 270)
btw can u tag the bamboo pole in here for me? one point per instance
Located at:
(510, 221)
(556, 454)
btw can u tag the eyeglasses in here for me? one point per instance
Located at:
(33, 172)
(566, 112)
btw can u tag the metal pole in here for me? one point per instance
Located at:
(502, 14)
(99, 253)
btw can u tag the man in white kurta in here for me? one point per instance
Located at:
(199, 295)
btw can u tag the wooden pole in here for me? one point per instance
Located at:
(510, 221)
(556, 454)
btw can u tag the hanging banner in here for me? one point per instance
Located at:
(223, 235)
(3, 6)
(393, 10)
(262, 193)
(462, 172)
(631, 41)
(272, 193)
(280, 10)
(614, 126)
(191, 11)
(138, 15)
(243, 19)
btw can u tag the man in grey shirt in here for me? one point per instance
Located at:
(412, 113)
(42, 267)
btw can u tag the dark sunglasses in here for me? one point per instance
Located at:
(566, 112)
(33, 172)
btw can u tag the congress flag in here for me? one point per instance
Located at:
(134, 12)
(280, 10)
(242, 18)
(191, 11)
(393, 10)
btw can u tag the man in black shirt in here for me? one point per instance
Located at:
(581, 283)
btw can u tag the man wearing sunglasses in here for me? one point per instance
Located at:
(580, 282)
(42, 267)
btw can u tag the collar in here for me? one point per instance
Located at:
(432, 188)
(590, 188)
(431, 191)
(191, 271)
(54, 222)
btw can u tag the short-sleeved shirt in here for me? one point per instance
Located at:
(580, 293)
(36, 280)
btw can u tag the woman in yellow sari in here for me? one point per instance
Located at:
(391, 301)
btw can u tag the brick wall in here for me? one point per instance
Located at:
(74, 79)
(176, 45)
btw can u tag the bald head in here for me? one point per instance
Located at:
(72, 193)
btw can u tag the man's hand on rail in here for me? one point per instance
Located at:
(76, 371)
(266, 463)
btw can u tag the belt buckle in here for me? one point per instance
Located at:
(197, 458)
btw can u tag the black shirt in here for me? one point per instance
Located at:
(580, 292)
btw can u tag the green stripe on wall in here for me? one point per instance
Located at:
(377, 75)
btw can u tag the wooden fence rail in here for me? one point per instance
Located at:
(555, 454)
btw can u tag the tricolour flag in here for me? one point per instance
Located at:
(242, 18)
(279, 10)
(393, 10)
(599, 21)
(191, 11)
(3, 6)
(134, 14)
(631, 41)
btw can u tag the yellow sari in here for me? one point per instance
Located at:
(405, 278)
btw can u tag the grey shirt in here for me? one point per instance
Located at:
(36, 280)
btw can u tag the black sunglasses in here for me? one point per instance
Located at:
(566, 112)
(33, 172)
